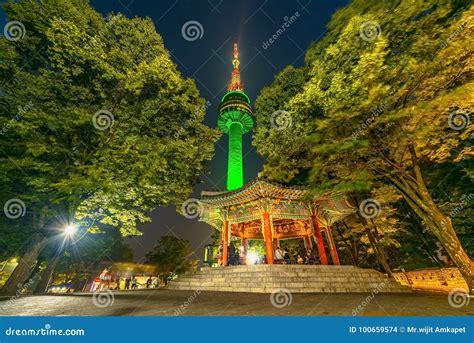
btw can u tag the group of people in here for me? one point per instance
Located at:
(237, 256)
(234, 256)
(284, 257)
(110, 280)
(131, 282)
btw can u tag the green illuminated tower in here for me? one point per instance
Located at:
(235, 120)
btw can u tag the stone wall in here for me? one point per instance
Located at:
(433, 279)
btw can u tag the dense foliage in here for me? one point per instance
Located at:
(172, 255)
(384, 99)
(97, 124)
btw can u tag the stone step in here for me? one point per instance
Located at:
(284, 279)
(308, 287)
(278, 274)
(254, 289)
(379, 285)
(287, 274)
(295, 278)
(284, 269)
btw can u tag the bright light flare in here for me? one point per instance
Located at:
(70, 229)
(252, 258)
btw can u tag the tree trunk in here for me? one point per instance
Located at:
(26, 264)
(347, 245)
(442, 228)
(414, 190)
(376, 246)
(47, 275)
(448, 238)
(379, 253)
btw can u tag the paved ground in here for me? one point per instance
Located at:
(171, 302)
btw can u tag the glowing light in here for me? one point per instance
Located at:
(235, 120)
(235, 173)
(252, 258)
(70, 229)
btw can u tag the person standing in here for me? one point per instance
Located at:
(299, 260)
(286, 255)
(117, 282)
(279, 255)
(127, 283)
(231, 257)
(156, 282)
(310, 257)
(134, 282)
(220, 261)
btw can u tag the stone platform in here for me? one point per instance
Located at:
(294, 278)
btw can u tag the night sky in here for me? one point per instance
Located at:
(208, 61)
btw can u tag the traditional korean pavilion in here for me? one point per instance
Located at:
(261, 209)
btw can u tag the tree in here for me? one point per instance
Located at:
(389, 90)
(113, 129)
(81, 255)
(172, 255)
(275, 127)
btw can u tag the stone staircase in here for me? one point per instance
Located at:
(295, 278)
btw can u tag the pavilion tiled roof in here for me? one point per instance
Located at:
(332, 205)
(258, 188)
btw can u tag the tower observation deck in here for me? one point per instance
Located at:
(235, 119)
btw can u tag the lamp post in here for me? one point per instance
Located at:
(68, 231)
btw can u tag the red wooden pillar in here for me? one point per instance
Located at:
(225, 243)
(332, 246)
(319, 237)
(268, 237)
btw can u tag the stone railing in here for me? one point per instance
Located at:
(433, 279)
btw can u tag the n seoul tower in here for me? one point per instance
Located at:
(235, 119)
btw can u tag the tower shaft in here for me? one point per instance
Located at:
(235, 172)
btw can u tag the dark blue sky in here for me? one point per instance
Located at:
(208, 61)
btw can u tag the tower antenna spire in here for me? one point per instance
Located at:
(235, 82)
